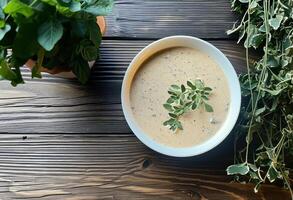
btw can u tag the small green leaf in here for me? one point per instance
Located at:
(208, 108)
(102, 8)
(273, 174)
(75, 6)
(94, 32)
(49, 33)
(257, 39)
(173, 115)
(272, 92)
(169, 122)
(276, 22)
(170, 100)
(3, 3)
(6, 72)
(259, 111)
(175, 87)
(172, 93)
(81, 69)
(207, 89)
(183, 88)
(262, 28)
(205, 98)
(90, 53)
(194, 106)
(190, 85)
(253, 4)
(2, 15)
(188, 104)
(15, 7)
(199, 84)
(241, 169)
(168, 107)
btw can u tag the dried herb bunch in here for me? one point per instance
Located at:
(266, 123)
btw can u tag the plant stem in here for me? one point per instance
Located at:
(33, 3)
(41, 55)
(249, 134)
(249, 79)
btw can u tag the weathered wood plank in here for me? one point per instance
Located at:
(160, 18)
(97, 166)
(57, 105)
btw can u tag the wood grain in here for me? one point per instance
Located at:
(160, 18)
(56, 105)
(110, 163)
(90, 167)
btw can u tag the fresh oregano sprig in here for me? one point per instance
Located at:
(185, 98)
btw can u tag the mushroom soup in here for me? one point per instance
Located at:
(149, 92)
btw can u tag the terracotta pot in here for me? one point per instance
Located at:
(57, 71)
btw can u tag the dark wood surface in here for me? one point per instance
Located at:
(60, 140)
(57, 105)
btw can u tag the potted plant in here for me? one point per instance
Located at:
(50, 35)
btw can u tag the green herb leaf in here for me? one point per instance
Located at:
(276, 22)
(208, 108)
(15, 7)
(183, 88)
(175, 87)
(6, 72)
(3, 3)
(103, 7)
(168, 107)
(50, 33)
(81, 69)
(241, 169)
(173, 115)
(190, 85)
(208, 89)
(273, 174)
(87, 50)
(170, 100)
(199, 84)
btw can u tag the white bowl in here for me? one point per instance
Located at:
(223, 62)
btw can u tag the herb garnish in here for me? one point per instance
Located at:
(267, 118)
(185, 98)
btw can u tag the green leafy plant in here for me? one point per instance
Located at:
(185, 98)
(266, 124)
(54, 33)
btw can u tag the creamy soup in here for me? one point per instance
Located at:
(149, 93)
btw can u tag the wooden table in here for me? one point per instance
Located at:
(64, 141)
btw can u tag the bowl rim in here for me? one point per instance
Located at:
(224, 130)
